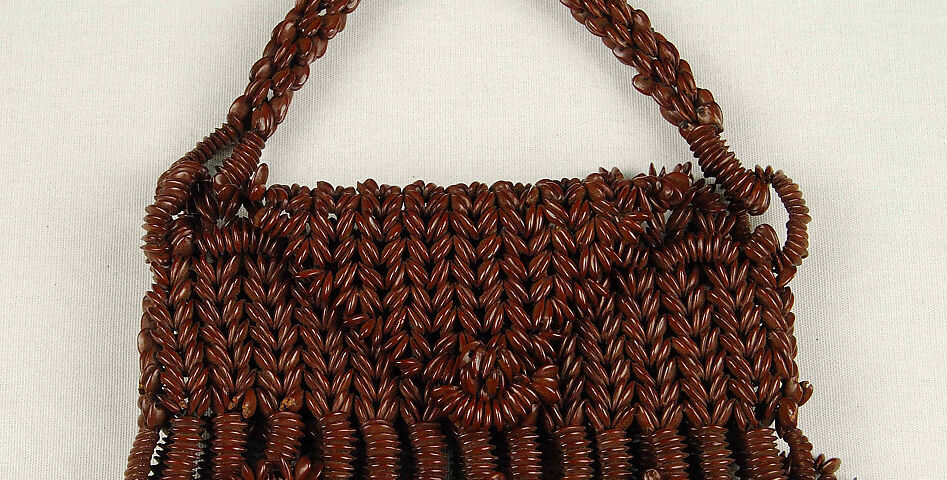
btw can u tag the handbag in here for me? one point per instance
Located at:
(605, 327)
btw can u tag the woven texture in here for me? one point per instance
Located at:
(611, 327)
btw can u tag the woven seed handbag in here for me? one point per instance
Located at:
(608, 327)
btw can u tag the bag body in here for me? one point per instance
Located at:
(605, 327)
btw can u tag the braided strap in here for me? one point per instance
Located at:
(303, 35)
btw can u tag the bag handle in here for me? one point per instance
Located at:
(303, 36)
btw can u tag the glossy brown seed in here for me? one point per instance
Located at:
(264, 120)
(240, 108)
(830, 466)
(249, 404)
(280, 105)
(569, 328)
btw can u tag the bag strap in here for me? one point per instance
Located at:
(303, 36)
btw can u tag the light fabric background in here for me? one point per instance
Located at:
(98, 97)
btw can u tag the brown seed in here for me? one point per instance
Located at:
(831, 466)
(249, 404)
(264, 120)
